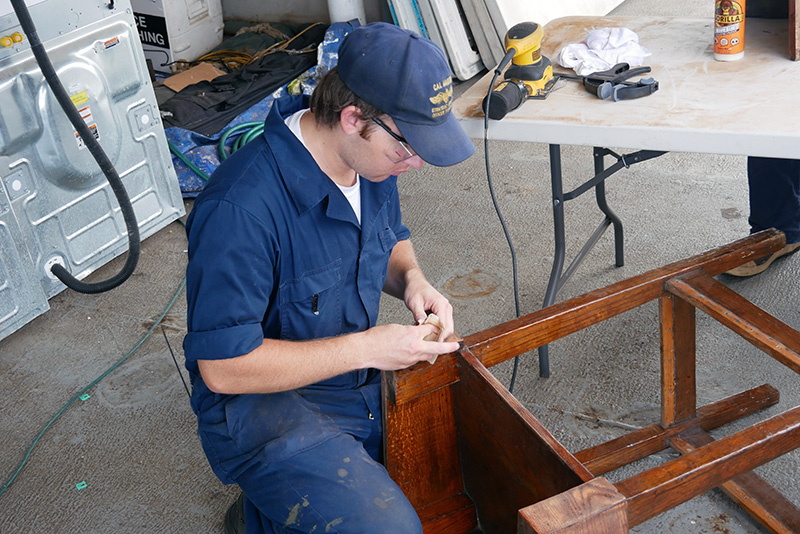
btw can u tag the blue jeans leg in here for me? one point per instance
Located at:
(775, 195)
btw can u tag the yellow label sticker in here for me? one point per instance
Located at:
(80, 99)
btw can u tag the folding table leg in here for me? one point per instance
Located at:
(600, 196)
(560, 247)
(559, 276)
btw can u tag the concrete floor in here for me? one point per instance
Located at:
(133, 443)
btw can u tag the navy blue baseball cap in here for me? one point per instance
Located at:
(408, 78)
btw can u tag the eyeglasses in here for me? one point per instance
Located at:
(400, 150)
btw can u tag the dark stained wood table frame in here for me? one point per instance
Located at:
(471, 458)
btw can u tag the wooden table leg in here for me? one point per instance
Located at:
(678, 395)
(593, 507)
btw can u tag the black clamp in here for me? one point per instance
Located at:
(613, 83)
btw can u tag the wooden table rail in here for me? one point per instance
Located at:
(471, 458)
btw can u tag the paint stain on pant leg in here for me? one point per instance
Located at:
(333, 524)
(294, 512)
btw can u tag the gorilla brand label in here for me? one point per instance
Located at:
(729, 30)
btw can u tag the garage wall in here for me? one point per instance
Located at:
(507, 12)
(291, 11)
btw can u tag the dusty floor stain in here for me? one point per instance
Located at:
(471, 285)
(731, 213)
(719, 524)
(342, 472)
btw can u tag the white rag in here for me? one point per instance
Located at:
(602, 49)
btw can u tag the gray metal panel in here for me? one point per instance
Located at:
(62, 205)
(21, 294)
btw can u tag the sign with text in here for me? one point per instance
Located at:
(152, 30)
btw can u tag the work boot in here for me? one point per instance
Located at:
(234, 517)
(760, 265)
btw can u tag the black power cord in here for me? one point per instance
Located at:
(509, 55)
(178, 367)
(24, 17)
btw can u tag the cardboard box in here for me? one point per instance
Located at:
(201, 71)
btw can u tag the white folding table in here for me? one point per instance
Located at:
(746, 107)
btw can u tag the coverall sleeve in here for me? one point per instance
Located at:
(229, 281)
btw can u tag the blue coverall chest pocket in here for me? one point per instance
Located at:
(388, 240)
(311, 305)
(374, 265)
(378, 257)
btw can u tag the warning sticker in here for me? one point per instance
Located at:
(81, 101)
(111, 42)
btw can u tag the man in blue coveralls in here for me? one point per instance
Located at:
(290, 246)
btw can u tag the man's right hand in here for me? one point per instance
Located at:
(399, 347)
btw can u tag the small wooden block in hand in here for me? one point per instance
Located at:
(433, 336)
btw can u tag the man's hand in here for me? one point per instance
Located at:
(281, 365)
(405, 280)
(422, 298)
(398, 346)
